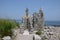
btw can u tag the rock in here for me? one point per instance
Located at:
(26, 32)
(6, 38)
(37, 37)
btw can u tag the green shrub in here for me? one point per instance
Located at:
(6, 27)
(39, 32)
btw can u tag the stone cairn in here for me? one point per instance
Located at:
(32, 22)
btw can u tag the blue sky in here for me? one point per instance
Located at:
(15, 9)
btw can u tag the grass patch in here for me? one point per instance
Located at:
(6, 27)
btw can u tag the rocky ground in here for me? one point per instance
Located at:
(22, 37)
(53, 33)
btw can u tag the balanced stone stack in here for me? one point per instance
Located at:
(34, 22)
(27, 21)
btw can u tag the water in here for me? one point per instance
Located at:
(52, 23)
(47, 23)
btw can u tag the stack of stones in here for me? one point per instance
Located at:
(34, 22)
